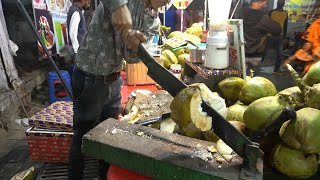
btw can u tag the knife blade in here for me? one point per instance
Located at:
(160, 74)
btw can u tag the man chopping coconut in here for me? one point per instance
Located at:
(115, 31)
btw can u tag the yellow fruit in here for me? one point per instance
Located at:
(169, 58)
(174, 33)
(179, 51)
(193, 38)
(195, 29)
(182, 58)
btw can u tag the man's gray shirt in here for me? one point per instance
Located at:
(102, 50)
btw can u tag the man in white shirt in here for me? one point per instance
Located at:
(76, 23)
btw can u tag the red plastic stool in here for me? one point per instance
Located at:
(117, 173)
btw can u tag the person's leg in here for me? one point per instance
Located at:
(111, 109)
(89, 97)
(278, 47)
(269, 45)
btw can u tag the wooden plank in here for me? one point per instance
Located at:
(3, 79)
(6, 51)
(157, 154)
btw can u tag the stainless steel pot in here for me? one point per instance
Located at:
(197, 55)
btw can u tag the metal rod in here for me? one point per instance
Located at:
(26, 15)
(235, 8)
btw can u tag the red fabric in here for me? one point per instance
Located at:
(117, 173)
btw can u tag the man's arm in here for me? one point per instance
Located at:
(73, 30)
(269, 26)
(113, 5)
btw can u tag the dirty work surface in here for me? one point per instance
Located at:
(157, 154)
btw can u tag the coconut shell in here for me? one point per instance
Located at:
(312, 96)
(186, 108)
(256, 88)
(303, 133)
(293, 96)
(293, 163)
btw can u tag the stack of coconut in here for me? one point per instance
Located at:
(294, 151)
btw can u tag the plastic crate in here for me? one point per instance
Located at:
(49, 145)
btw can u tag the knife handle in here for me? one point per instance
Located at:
(274, 127)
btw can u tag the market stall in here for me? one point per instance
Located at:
(263, 143)
(226, 126)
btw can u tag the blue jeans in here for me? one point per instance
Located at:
(95, 100)
(276, 43)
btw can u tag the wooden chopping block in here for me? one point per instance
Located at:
(157, 154)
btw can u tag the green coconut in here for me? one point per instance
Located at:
(313, 75)
(310, 94)
(256, 88)
(235, 112)
(230, 88)
(302, 133)
(293, 96)
(263, 111)
(293, 163)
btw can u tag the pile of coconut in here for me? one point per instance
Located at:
(293, 152)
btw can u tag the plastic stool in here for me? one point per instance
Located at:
(56, 89)
(117, 173)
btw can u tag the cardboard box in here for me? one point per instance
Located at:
(57, 116)
(137, 73)
(49, 146)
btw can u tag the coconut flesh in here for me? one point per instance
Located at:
(187, 112)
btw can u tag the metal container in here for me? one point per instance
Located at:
(197, 55)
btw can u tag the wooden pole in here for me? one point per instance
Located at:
(8, 65)
(205, 14)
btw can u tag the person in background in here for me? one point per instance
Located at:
(276, 42)
(114, 34)
(186, 18)
(77, 24)
(257, 25)
(170, 17)
(310, 52)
